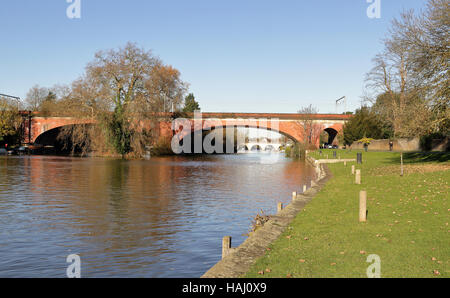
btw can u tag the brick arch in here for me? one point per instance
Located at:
(289, 134)
(290, 129)
(336, 128)
(43, 125)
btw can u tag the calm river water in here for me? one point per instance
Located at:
(160, 218)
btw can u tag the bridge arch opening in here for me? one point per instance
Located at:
(59, 140)
(242, 148)
(332, 134)
(269, 148)
(256, 148)
(249, 144)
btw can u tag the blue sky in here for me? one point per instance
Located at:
(237, 56)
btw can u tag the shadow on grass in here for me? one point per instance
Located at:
(423, 157)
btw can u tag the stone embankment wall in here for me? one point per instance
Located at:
(404, 145)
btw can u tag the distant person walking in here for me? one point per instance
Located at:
(391, 146)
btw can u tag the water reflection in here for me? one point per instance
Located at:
(158, 218)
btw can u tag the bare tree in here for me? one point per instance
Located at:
(165, 88)
(35, 97)
(123, 90)
(310, 130)
(412, 72)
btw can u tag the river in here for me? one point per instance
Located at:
(159, 218)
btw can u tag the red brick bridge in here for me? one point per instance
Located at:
(35, 127)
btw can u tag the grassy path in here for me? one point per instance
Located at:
(408, 222)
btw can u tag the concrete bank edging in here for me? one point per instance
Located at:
(239, 261)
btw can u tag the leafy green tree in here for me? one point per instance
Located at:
(364, 124)
(9, 120)
(119, 134)
(190, 104)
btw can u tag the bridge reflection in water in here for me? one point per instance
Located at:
(158, 218)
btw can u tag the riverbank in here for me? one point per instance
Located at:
(240, 260)
(407, 223)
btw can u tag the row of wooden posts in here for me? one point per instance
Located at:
(226, 242)
(363, 193)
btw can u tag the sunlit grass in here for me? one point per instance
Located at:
(407, 222)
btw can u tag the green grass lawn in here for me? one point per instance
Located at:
(407, 227)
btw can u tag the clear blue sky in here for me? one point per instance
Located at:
(237, 55)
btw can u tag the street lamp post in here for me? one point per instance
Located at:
(339, 101)
(12, 97)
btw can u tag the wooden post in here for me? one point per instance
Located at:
(401, 168)
(358, 177)
(363, 206)
(294, 196)
(353, 170)
(226, 246)
(280, 207)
